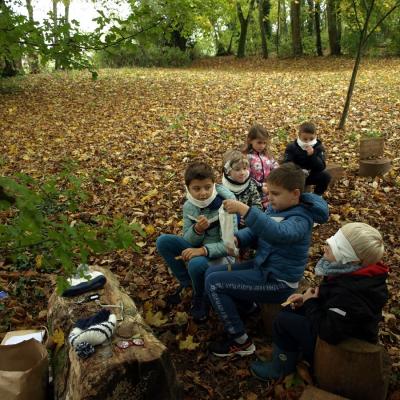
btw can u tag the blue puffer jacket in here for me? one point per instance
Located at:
(211, 238)
(282, 247)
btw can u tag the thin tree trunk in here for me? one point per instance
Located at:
(278, 28)
(55, 39)
(296, 28)
(263, 33)
(310, 19)
(33, 58)
(284, 17)
(334, 42)
(244, 24)
(350, 90)
(317, 17)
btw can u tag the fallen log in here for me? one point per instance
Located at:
(111, 373)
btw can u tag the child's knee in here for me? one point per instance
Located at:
(164, 242)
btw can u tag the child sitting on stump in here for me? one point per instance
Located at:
(281, 237)
(202, 236)
(348, 303)
(308, 153)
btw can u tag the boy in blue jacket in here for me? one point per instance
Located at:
(281, 237)
(201, 241)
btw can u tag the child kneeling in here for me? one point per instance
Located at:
(201, 241)
(348, 303)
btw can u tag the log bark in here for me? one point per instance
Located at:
(138, 372)
(313, 393)
(374, 168)
(336, 171)
(268, 314)
(353, 368)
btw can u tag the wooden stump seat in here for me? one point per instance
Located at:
(336, 172)
(138, 372)
(268, 314)
(372, 161)
(354, 368)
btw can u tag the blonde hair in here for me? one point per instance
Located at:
(233, 157)
(365, 240)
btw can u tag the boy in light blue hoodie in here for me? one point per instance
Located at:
(281, 236)
(201, 241)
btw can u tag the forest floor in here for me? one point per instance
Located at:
(139, 128)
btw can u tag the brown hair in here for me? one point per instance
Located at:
(257, 131)
(198, 170)
(234, 157)
(307, 127)
(289, 176)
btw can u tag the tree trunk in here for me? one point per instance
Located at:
(334, 42)
(137, 372)
(55, 39)
(350, 90)
(317, 16)
(278, 28)
(310, 19)
(33, 58)
(284, 18)
(263, 33)
(244, 24)
(296, 28)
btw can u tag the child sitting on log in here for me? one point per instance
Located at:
(309, 154)
(281, 236)
(236, 177)
(202, 236)
(348, 303)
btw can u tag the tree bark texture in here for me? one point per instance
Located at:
(317, 17)
(261, 17)
(334, 42)
(244, 24)
(295, 22)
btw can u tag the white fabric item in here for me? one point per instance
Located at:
(226, 222)
(202, 203)
(338, 311)
(341, 248)
(77, 281)
(236, 188)
(303, 145)
(95, 334)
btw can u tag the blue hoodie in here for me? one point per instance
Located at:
(282, 246)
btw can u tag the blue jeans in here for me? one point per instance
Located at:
(171, 246)
(243, 285)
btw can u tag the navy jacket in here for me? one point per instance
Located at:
(282, 247)
(314, 163)
(349, 305)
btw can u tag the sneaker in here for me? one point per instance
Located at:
(231, 348)
(176, 297)
(199, 310)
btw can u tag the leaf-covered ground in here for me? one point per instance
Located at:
(139, 128)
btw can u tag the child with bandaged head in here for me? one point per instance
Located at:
(348, 303)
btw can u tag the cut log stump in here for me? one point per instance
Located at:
(138, 372)
(354, 368)
(336, 171)
(375, 167)
(268, 314)
(313, 393)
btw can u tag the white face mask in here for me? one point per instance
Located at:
(304, 145)
(201, 203)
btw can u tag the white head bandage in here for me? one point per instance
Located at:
(341, 248)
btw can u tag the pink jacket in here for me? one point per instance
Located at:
(260, 166)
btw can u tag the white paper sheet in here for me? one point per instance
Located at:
(21, 338)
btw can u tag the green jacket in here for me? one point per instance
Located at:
(211, 238)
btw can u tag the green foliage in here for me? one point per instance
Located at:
(372, 134)
(41, 231)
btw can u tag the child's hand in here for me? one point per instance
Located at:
(265, 188)
(295, 300)
(188, 254)
(309, 150)
(202, 224)
(241, 222)
(234, 206)
(310, 293)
